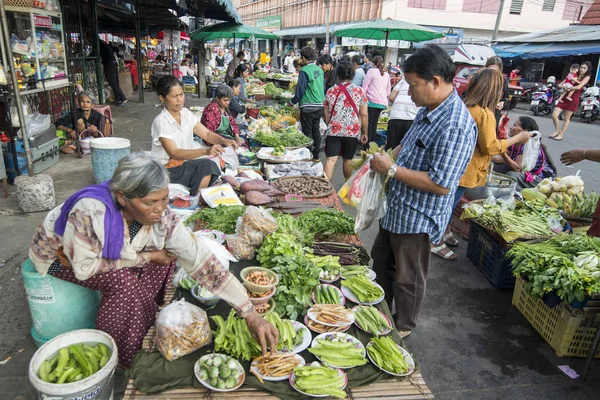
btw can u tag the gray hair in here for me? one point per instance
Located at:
(137, 175)
(223, 91)
(85, 93)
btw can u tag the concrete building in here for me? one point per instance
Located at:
(301, 22)
(476, 18)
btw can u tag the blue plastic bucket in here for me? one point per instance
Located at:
(57, 306)
(106, 153)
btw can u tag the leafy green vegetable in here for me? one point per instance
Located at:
(297, 278)
(222, 218)
(323, 222)
(558, 265)
(289, 137)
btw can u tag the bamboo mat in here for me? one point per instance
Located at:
(408, 389)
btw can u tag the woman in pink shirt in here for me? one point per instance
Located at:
(377, 87)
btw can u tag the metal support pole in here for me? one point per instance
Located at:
(327, 46)
(96, 39)
(498, 18)
(15, 84)
(138, 53)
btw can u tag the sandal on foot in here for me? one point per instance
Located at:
(555, 134)
(439, 251)
(70, 149)
(558, 138)
(450, 240)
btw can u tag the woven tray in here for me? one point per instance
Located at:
(325, 194)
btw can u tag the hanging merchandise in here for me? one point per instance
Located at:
(3, 80)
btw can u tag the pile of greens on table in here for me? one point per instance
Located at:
(515, 219)
(568, 265)
(222, 218)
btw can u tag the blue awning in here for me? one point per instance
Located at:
(564, 50)
(513, 50)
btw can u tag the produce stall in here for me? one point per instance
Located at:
(325, 306)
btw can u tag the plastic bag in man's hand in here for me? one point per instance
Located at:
(181, 329)
(373, 202)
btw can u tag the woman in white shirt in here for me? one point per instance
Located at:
(186, 70)
(173, 143)
(402, 114)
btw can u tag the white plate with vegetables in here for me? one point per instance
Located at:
(328, 294)
(301, 381)
(331, 315)
(353, 298)
(397, 361)
(357, 270)
(331, 348)
(303, 338)
(219, 372)
(276, 368)
(371, 320)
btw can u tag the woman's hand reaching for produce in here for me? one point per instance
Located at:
(232, 143)
(216, 150)
(239, 140)
(572, 156)
(263, 331)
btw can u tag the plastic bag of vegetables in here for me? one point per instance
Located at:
(183, 280)
(531, 151)
(181, 329)
(373, 204)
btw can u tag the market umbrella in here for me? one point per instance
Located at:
(227, 30)
(389, 29)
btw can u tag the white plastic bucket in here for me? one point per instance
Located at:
(99, 386)
(106, 153)
(85, 143)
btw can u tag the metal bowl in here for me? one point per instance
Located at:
(500, 185)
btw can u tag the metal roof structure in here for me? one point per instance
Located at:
(592, 15)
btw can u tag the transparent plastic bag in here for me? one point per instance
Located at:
(352, 191)
(260, 219)
(181, 329)
(372, 204)
(531, 152)
(183, 280)
(241, 249)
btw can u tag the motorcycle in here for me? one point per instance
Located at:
(542, 101)
(590, 104)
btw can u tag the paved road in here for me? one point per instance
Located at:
(578, 135)
(471, 343)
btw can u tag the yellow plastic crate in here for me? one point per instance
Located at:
(189, 88)
(567, 330)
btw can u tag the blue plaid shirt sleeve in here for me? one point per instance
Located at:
(450, 156)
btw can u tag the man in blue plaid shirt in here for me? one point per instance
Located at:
(430, 161)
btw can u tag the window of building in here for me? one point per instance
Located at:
(481, 6)
(428, 4)
(516, 6)
(574, 10)
(548, 5)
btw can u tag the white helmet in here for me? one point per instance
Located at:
(551, 79)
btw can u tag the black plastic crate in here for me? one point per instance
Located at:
(488, 255)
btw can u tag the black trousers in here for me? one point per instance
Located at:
(111, 71)
(310, 119)
(191, 173)
(374, 114)
(397, 129)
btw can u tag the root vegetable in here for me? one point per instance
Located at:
(256, 198)
(232, 181)
(255, 185)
